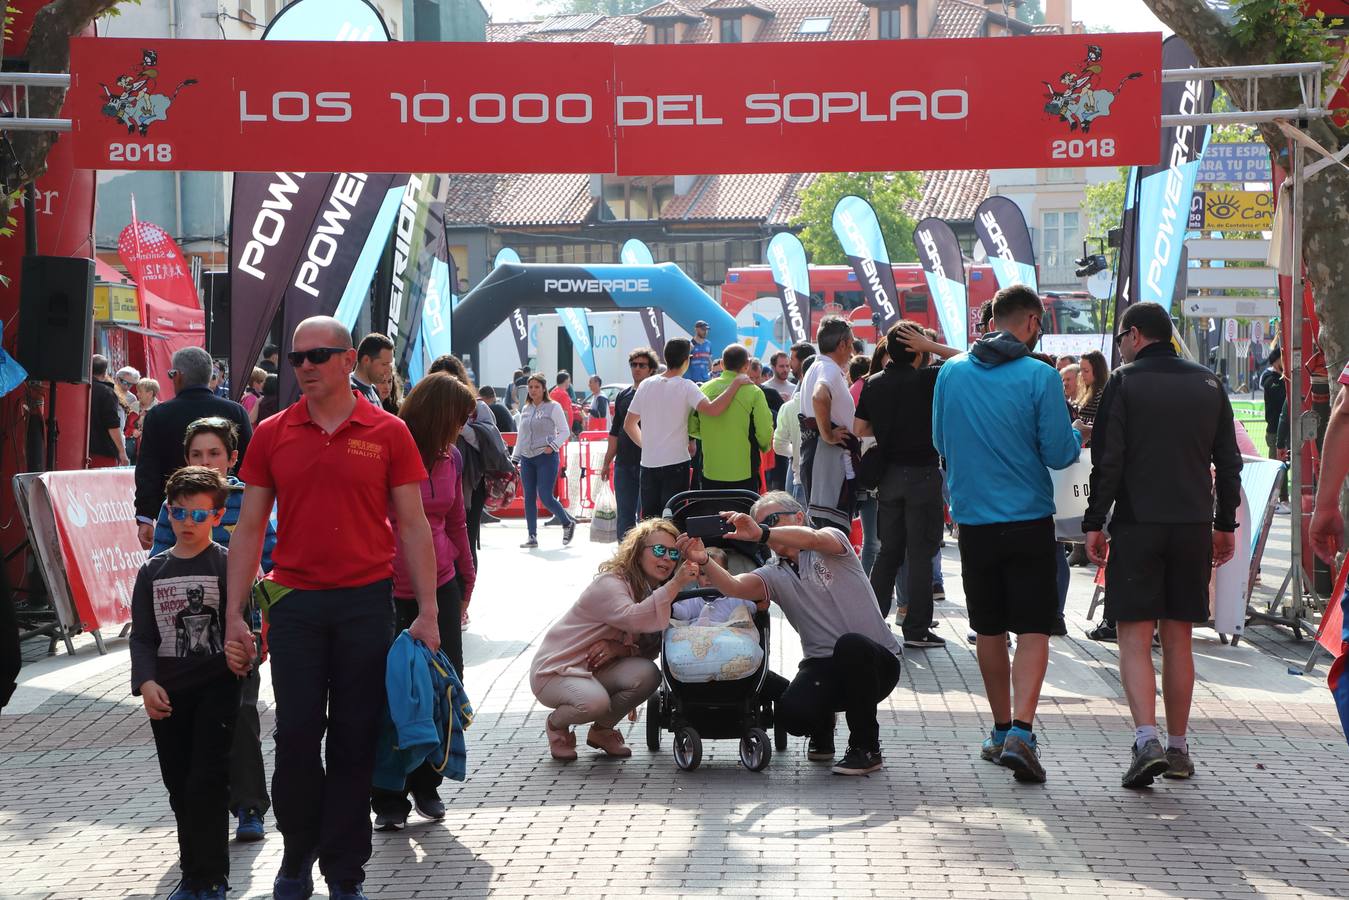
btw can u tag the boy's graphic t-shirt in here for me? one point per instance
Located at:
(178, 620)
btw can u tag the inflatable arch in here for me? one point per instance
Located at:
(540, 288)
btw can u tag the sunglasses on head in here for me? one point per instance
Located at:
(318, 356)
(179, 513)
(772, 518)
(660, 551)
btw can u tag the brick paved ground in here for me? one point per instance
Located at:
(85, 816)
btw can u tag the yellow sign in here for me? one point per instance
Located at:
(116, 303)
(1238, 211)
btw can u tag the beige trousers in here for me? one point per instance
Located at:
(603, 697)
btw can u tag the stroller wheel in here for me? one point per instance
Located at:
(779, 739)
(755, 751)
(688, 749)
(653, 723)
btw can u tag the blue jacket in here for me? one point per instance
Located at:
(425, 717)
(164, 538)
(1000, 421)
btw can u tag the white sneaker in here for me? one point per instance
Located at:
(1282, 509)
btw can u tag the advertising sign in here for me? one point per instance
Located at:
(1235, 163)
(1072, 100)
(859, 232)
(1238, 210)
(95, 517)
(156, 263)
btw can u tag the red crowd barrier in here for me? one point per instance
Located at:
(592, 446)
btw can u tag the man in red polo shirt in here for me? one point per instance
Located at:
(334, 464)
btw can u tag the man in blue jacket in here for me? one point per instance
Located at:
(999, 419)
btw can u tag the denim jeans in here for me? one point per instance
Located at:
(627, 495)
(909, 521)
(659, 485)
(539, 474)
(871, 541)
(329, 649)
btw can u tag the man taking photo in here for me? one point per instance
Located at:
(852, 660)
(1163, 421)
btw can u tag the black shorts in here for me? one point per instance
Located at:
(1010, 576)
(1158, 571)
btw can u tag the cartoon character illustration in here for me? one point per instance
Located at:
(136, 103)
(1077, 99)
(197, 626)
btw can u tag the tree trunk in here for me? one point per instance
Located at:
(1325, 212)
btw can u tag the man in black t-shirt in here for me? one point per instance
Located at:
(1275, 390)
(505, 423)
(105, 420)
(896, 407)
(624, 456)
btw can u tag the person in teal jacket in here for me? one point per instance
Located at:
(214, 443)
(999, 419)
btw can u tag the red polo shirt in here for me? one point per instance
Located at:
(563, 399)
(332, 493)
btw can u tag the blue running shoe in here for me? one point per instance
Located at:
(347, 890)
(294, 885)
(250, 826)
(1022, 756)
(992, 747)
(213, 890)
(185, 891)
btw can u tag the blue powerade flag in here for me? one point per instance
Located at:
(1002, 230)
(636, 253)
(1157, 203)
(577, 323)
(519, 319)
(859, 231)
(787, 260)
(944, 266)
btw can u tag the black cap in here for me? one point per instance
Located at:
(700, 324)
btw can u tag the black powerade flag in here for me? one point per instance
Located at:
(519, 319)
(333, 246)
(859, 232)
(1157, 202)
(1002, 230)
(271, 216)
(432, 272)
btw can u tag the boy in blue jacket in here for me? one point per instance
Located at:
(214, 443)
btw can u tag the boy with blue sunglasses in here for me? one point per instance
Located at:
(179, 670)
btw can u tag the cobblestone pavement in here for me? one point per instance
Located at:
(84, 814)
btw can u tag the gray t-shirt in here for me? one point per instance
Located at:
(830, 598)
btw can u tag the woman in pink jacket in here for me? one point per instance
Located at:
(595, 663)
(435, 412)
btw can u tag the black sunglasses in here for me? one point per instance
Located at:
(772, 518)
(318, 356)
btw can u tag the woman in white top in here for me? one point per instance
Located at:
(543, 431)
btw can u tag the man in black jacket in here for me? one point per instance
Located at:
(1162, 422)
(161, 445)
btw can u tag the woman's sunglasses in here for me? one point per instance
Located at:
(179, 513)
(318, 356)
(660, 551)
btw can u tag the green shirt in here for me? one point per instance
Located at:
(726, 438)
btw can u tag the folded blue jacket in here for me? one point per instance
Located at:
(425, 716)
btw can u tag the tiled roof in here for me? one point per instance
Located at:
(1046, 29)
(848, 21)
(747, 5)
(506, 32)
(600, 29)
(720, 198)
(503, 200)
(958, 19)
(950, 194)
(671, 9)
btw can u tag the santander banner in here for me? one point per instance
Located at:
(156, 263)
(1049, 100)
(96, 523)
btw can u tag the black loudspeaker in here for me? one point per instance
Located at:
(215, 292)
(56, 318)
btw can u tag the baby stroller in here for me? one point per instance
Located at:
(719, 710)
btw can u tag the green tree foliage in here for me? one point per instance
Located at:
(887, 192)
(1105, 204)
(1032, 11)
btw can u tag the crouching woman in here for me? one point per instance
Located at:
(595, 663)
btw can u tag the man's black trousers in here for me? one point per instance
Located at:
(859, 675)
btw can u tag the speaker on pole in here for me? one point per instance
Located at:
(56, 318)
(215, 290)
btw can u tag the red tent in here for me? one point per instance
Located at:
(166, 327)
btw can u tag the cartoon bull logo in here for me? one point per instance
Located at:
(135, 101)
(1077, 99)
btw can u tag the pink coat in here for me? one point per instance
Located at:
(443, 502)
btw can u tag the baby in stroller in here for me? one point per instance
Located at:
(713, 610)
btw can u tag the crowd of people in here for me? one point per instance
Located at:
(356, 514)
